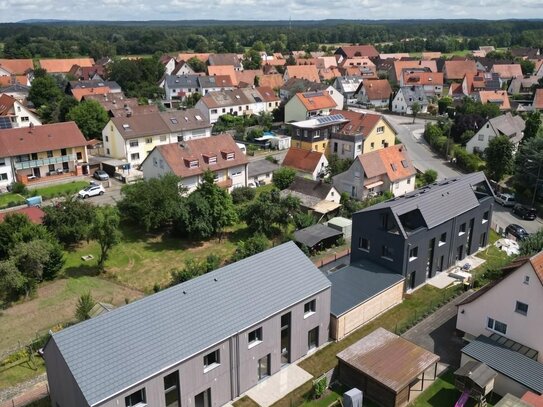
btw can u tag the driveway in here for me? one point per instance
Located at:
(112, 195)
(437, 333)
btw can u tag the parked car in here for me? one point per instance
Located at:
(91, 190)
(524, 212)
(506, 199)
(101, 175)
(517, 231)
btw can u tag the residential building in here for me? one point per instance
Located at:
(169, 63)
(329, 74)
(44, 153)
(63, 66)
(308, 164)
(225, 60)
(374, 92)
(395, 74)
(356, 51)
(215, 83)
(297, 85)
(407, 96)
(307, 72)
(118, 105)
(260, 172)
(385, 170)
(79, 89)
(190, 159)
(18, 114)
(191, 350)
(238, 102)
(224, 70)
(428, 230)
(179, 86)
(455, 70)
(432, 82)
(306, 105)
(317, 197)
(132, 138)
(525, 52)
(16, 90)
(523, 85)
(248, 78)
(507, 71)
(348, 85)
(273, 81)
(364, 132)
(314, 134)
(504, 125)
(497, 97)
(182, 68)
(537, 104)
(18, 67)
(87, 73)
(510, 306)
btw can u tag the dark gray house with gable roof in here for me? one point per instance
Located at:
(200, 343)
(426, 231)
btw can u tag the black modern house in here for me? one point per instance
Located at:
(428, 230)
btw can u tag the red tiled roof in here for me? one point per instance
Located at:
(9, 80)
(537, 264)
(308, 72)
(27, 140)
(377, 89)
(329, 73)
(359, 123)
(17, 66)
(223, 70)
(273, 81)
(316, 100)
(399, 66)
(535, 400)
(34, 214)
(64, 65)
(353, 51)
(456, 70)
(79, 93)
(247, 76)
(508, 71)
(303, 160)
(389, 161)
(179, 155)
(494, 96)
(422, 78)
(187, 56)
(6, 104)
(538, 99)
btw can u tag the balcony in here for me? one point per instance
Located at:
(45, 161)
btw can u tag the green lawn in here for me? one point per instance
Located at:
(21, 373)
(59, 190)
(9, 197)
(46, 402)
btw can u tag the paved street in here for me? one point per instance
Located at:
(503, 217)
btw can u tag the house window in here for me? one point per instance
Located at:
(136, 399)
(49, 154)
(364, 244)
(3, 176)
(155, 162)
(213, 111)
(162, 138)
(372, 145)
(309, 308)
(485, 217)
(193, 164)
(497, 326)
(413, 253)
(2, 162)
(521, 308)
(51, 167)
(230, 156)
(481, 137)
(264, 367)
(135, 156)
(79, 155)
(462, 229)
(313, 339)
(134, 143)
(443, 239)
(107, 138)
(107, 151)
(25, 119)
(408, 181)
(255, 337)
(149, 140)
(171, 389)
(211, 360)
(380, 129)
(387, 252)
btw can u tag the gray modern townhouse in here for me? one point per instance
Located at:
(200, 343)
(426, 231)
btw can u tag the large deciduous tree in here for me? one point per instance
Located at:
(283, 177)
(499, 158)
(70, 221)
(105, 230)
(90, 117)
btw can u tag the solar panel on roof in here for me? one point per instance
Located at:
(5, 123)
(405, 163)
(331, 118)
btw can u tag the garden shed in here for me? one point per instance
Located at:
(342, 224)
(387, 368)
(317, 237)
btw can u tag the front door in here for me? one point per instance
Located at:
(285, 339)
(412, 277)
(36, 172)
(460, 252)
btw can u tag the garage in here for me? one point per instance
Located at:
(390, 370)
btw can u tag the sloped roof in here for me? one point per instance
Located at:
(64, 65)
(326, 62)
(272, 80)
(538, 99)
(391, 161)
(316, 100)
(216, 81)
(308, 72)
(259, 167)
(431, 55)
(79, 93)
(27, 140)
(315, 234)
(34, 214)
(508, 362)
(317, 189)
(186, 56)
(377, 89)
(531, 398)
(396, 55)
(329, 73)
(508, 71)
(498, 97)
(224, 59)
(100, 352)
(10, 80)
(422, 78)
(438, 202)
(179, 155)
(6, 104)
(359, 123)
(412, 94)
(349, 83)
(456, 70)
(537, 264)
(183, 120)
(185, 81)
(223, 70)
(248, 75)
(236, 97)
(303, 160)
(359, 51)
(508, 125)
(17, 66)
(399, 66)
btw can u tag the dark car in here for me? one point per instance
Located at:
(101, 175)
(524, 212)
(517, 231)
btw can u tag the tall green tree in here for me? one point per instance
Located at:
(533, 124)
(253, 245)
(30, 258)
(283, 177)
(90, 117)
(415, 108)
(44, 91)
(532, 245)
(105, 230)
(70, 221)
(527, 166)
(499, 157)
(196, 65)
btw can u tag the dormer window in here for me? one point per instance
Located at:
(210, 158)
(230, 156)
(193, 164)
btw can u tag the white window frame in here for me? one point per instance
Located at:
(310, 308)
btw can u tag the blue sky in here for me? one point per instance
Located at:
(15, 10)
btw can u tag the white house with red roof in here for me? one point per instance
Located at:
(19, 115)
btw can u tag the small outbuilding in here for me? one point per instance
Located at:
(387, 368)
(317, 237)
(475, 380)
(342, 224)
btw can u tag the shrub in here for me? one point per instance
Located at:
(319, 386)
(19, 188)
(243, 194)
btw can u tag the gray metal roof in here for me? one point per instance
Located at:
(123, 347)
(182, 81)
(510, 363)
(259, 167)
(357, 283)
(477, 372)
(315, 234)
(438, 202)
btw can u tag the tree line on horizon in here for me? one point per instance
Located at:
(61, 40)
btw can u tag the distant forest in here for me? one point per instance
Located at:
(97, 39)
